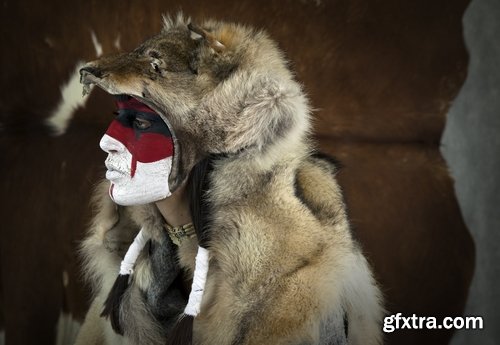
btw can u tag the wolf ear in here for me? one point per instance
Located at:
(200, 33)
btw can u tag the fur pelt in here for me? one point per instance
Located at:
(284, 268)
(147, 317)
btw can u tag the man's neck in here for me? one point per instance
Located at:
(175, 208)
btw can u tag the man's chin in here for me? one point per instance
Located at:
(126, 196)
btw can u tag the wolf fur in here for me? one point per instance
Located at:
(284, 267)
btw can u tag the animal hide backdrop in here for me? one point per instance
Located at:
(380, 77)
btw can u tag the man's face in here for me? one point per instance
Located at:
(140, 150)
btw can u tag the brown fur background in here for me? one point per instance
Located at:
(380, 74)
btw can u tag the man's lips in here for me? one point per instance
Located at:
(113, 172)
(110, 166)
(113, 175)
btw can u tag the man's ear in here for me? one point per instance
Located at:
(199, 33)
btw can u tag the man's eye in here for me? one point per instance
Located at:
(141, 124)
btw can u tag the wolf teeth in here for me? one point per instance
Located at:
(87, 88)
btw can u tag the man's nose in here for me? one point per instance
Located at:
(110, 145)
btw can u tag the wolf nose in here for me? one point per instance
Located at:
(95, 71)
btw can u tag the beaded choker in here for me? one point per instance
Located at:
(179, 233)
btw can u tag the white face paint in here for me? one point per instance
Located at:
(149, 184)
(139, 156)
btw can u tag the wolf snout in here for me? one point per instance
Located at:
(90, 75)
(90, 70)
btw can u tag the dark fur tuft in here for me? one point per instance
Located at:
(182, 333)
(328, 158)
(112, 305)
(199, 206)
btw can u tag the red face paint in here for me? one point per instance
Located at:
(145, 145)
(140, 149)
